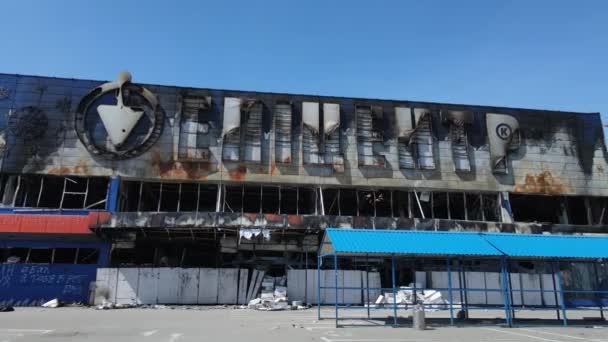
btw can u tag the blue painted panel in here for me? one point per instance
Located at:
(112, 202)
(32, 284)
(408, 242)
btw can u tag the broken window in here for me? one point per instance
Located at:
(64, 255)
(169, 197)
(348, 202)
(490, 207)
(14, 255)
(384, 203)
(423, 207)
(283, 132)
(40, 256)
(252, 199)
(401, 204)
(271, 199)
(370, 135)
(307, 201)
(598, 210)
(440, 205)
(526, 208)
(197, 129)
(87, 256)
(289, 200)
(233, 198)
(331, 201)
(457, 206)
(366, 200)
(189, 197)
(178, 197)
(36, 191)
(208, 197)
(576, 209)
(474, 207)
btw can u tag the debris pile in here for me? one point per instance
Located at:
(405, 295)
(273, 295)
(55, 303)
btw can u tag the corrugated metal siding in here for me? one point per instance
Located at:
(409, 242)
(549, 246)
(353, 241)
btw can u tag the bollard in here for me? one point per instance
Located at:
(419, 320)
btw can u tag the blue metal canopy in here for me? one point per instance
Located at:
(408, 242)
(367, 241)
(549, 246)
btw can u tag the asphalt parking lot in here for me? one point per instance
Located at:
(227, 324)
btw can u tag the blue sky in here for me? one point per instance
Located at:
(533, 54)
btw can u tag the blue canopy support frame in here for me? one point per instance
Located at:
(459, 246)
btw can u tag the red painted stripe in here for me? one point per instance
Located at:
(51, 224)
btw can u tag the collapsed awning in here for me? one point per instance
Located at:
(404, 242)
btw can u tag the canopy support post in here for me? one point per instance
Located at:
(336, 285)
(561, 291)
(448, 262)
(394, 282)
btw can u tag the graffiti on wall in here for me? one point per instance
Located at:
(31, 284)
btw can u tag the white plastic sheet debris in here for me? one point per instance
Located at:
(55, 303)
(273, 296)
(250, 233)
(405, 296)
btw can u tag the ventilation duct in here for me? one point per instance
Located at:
(503, 135)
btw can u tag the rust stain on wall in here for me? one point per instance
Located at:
(60, 171)
(543, 182)
(81, 167)
(239, 173)
(174, 170)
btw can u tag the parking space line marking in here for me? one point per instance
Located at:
(563, 335)
(149, 333)
(521, 334)
(40, 331)
(325, 339)
(175, 336)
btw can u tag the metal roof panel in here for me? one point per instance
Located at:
(366, 241)
(549, 246)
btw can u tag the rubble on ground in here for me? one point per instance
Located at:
(4, 308)
(273, 296)
(432, 299)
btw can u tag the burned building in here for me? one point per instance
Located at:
(116, 173)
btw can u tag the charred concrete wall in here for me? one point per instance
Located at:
(337, 142)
